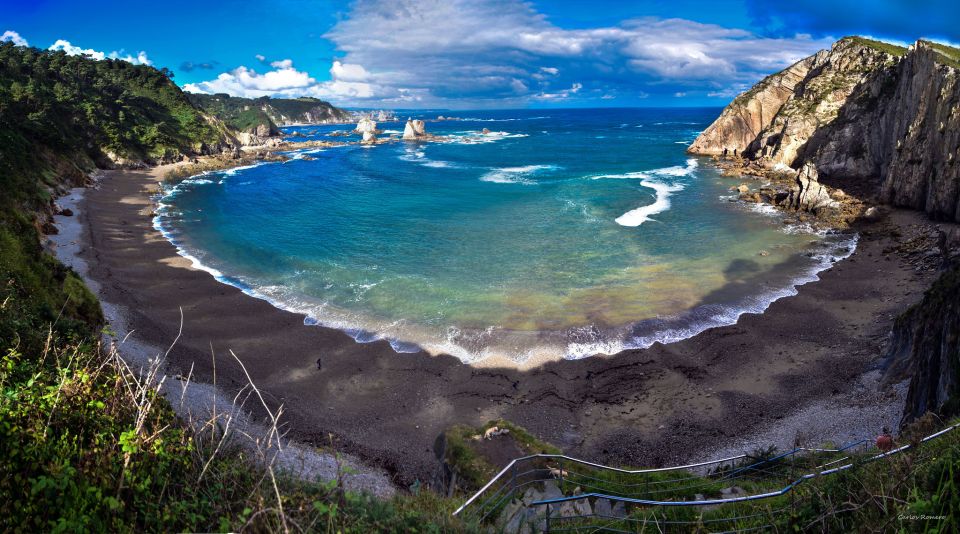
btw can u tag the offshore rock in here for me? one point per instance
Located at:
(414, 129)
(368, 129)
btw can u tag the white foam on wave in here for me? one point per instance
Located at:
(197, 181)
(474, 119)
(692, 323)
(516, 175)
(663, 190)
(419, 157)
(474, 137)
(638, 216)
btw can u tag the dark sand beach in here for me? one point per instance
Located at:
(640, 407)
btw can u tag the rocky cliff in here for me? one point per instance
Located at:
(926, 347)
(866, 111)
(255, 121)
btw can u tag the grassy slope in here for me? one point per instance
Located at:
(246, 114)
(81, 448)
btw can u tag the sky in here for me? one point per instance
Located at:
(468, 54)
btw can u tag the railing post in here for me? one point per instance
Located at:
(513, 479)
(547, 529)
(561, 475)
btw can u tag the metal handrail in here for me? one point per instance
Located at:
(767, 495)
(516, 461)
(818, 471)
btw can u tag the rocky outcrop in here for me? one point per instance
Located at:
(865, 111)
(368, 129)
(414, 129)
(926, 341)
(809, 194)
(742, 121)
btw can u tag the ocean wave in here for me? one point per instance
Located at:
(474, 119)
(197, 181)
(475, 137)
(419, 157)
(638, 216)
(516, 175)
(663, 190)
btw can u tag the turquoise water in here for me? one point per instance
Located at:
(560, 233)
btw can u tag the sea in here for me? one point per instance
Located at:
(525, 235)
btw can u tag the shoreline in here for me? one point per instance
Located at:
(196, 401)
(639, 407)
(669, 329)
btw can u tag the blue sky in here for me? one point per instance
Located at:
(471, 53)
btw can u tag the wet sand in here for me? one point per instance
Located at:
(645, 407)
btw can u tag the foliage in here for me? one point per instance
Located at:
(948, 55)
(247, 114)
(76, 105)
(892, 49)
(88, 445)
(473, 468)
(85, 443)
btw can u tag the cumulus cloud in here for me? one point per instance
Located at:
(504, 52)
(72, 50)
(284, 80)
(14, 38)
(491, 49)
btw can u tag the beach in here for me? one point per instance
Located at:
(812, 353)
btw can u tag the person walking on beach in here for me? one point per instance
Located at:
(319, 364)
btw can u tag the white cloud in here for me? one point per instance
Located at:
(71, 50)
(348, 72)
(286, 81)
(260, 57)
(679, 94)
(487, 48)
(242, 81)
(140, 59)
(13, 37)
(559, 95)
(504, 52)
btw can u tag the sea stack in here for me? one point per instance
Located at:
(368, 129)
(414, 130)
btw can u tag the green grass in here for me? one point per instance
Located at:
(870, 497)
(948, 55)
(473, 469)
(888, 48)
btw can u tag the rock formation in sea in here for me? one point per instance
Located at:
(414, 129)
(368, 129)
(863, 110)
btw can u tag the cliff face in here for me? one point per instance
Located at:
(861, 110)
(926, 342)
(255, 122)
(743, 120)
